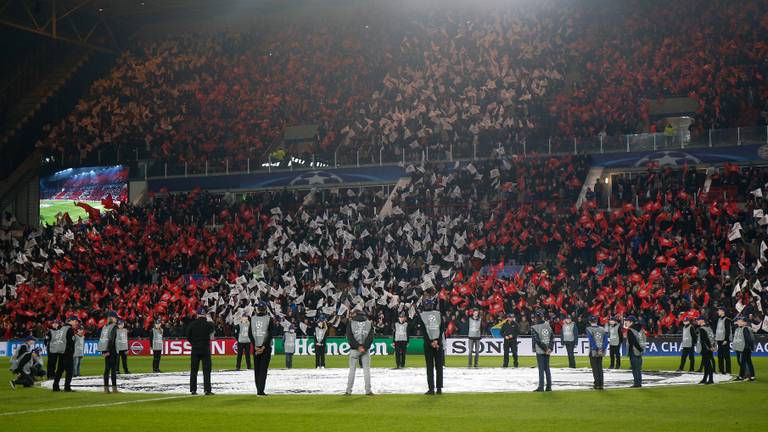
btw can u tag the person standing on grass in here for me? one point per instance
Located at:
(54, 344)
(636, 348)
(360, 338)
(321, 332)
(743, 344)
(509, 331)
(289, 345)
(122, 345)
(66, 358)
(615, 339)
(260, 334)
(543, 343)
(707, 346)
(570, 336)
(687, 343)
(400, 340)
(243, 342)
(474, 333)
(156, 342)
(723, 333)
(79, 353)
(598, 343)
(108, 350)
(433, 329)
(199, 334)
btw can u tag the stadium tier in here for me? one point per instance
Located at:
(437, 82)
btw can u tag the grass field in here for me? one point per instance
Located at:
(695, 408)
(49, 209)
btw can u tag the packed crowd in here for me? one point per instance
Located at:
(475, 235)
(449, 80)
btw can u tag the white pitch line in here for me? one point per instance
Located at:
(42, 410)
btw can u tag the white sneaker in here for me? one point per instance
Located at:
(13, 384)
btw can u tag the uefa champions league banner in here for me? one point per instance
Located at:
(298, 178)
(680, 157)
(656, 346)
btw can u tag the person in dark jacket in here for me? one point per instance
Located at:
(543, 343)
(108, 347)
(260, 333)
(66, 359)
(723, 332)
(509, 331)
(707, 346)
(199, 334)
(433, 329)
(360, 338)
(687, 343)
(635, 349)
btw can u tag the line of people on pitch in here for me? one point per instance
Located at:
(729, 334)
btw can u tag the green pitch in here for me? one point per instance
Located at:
(681, 408)
(49, 209)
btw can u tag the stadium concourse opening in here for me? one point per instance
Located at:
(387, 381)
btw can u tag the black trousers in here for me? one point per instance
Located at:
(53, 359)
(400, 349)
(260, 367)
(615, 352)
(124, 360)
(569, 347)
(687, 353)
(746, 368)
(25, 380)
(289, 360)
(110, 368)
(319, 355)
(156, 354)
(510, 345)
(596, 363)
(197, 358)
(724, 357)
(708, 362)
(542, 361)
(65, 363)
(243, 349)
(435, 358)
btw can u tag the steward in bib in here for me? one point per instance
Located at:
(107, 347)
(122, 345)
(570, 336)
(54, 344)
(79, 350)
(615, 339)
(743, 344)
(687, 343)
(636, 348)
(66, 357)
(598, 343)
(474, 333)
(433, 329)
(289, 345)
(156, 342)
(243, 335)
(360, 338)
(261, 333)
(543, 343)
(23, 363)
(321, 332)
(723, 333)
(400, 340)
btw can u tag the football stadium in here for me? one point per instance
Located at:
(408, 215)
